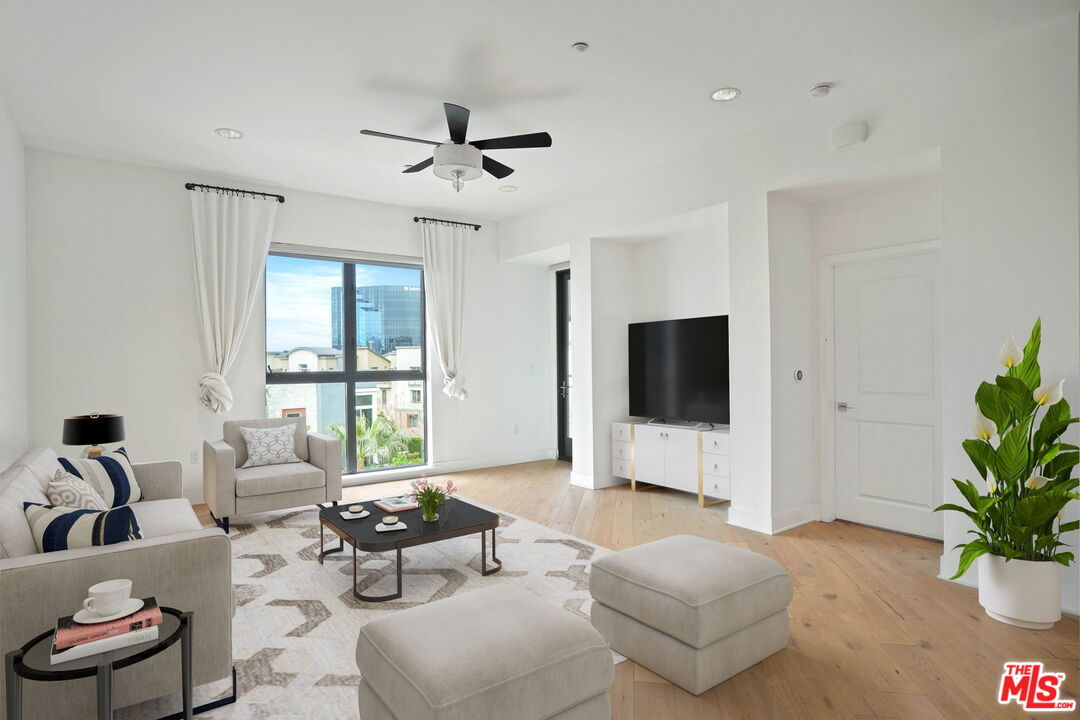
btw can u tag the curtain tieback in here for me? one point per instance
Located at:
(453, 386)
(214, 392)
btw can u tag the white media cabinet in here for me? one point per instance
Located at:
(682, 458)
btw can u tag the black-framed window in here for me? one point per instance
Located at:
(351, 369)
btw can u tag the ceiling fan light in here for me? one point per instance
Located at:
(458, 163)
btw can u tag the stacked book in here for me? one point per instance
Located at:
(73, 641)
(396, 504)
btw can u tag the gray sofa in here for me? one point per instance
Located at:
(180, 563)
(230, 489)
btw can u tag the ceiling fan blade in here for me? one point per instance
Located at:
(532, 140)
(496, 168)
(422, 165)
(376, 133)
(457, 119)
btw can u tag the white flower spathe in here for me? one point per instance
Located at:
(984, 427)
(1049, 393)
(1011, 355)
(991, 486)
(1035, 482)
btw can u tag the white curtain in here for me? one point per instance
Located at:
(445, 251)
(231, 234)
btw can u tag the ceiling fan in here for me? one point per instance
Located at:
(457, 160)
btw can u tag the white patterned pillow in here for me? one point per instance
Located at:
(270, 446)
(110, 474)
(66, 490)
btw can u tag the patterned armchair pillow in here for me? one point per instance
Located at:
(61, 528)
(109, 474)
(270, 446)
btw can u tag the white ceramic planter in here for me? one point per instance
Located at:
(1020, 592)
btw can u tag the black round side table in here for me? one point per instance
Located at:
(31, 662)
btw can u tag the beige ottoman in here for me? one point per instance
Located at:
(692, 610)
(490, 654)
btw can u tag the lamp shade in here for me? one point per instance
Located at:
(93, 429)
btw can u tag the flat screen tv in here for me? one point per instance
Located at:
(679, 370)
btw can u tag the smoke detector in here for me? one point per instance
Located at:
(821, 90)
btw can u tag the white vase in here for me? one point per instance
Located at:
(1024, 593)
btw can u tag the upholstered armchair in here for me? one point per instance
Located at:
(230, 489)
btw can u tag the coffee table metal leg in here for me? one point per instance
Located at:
(322, 552)
(483, 554)
(12, 687)
(104, 692)
(380, 598)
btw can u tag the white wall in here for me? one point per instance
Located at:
(1009, 209)
(792, 294)
(618, 282)
(113, 322)
(13, 394)
(682, 276)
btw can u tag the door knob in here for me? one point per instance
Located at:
(844, 407)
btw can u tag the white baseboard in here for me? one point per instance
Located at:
(947, 568)
(596, 482)
(758, 522)
(801, 515)
(773, 524)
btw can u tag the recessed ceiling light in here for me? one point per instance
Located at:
(726, 93)
(229, 133)
(580, 46)
(508, 188)
(821, 90)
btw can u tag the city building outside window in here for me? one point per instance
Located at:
(324, 355)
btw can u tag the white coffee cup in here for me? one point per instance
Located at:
(106, 598)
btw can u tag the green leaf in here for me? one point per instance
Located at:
(1034, 510)
(1069, 526)
(1057, 419)
(972, 550)
(1017, 395)
(949, 506)
(983, 504)
(982, 456)
(1063, 463)
(967, 489)
(1013, 455)
(992, 404)
(1064, 558)
(1050, 454)
(1028, 369)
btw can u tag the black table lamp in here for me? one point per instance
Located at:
(92, 430)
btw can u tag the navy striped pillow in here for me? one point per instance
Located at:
(110, 474)
(60, 528)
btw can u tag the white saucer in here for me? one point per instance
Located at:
(85, 617)
(390, 528)
(351, 516)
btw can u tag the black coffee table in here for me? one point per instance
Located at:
(456, 518)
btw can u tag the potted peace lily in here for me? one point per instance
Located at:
(1019, 519)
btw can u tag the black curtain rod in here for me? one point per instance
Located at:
(448, 222)
(192, 186)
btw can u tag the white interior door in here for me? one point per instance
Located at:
(888, 337)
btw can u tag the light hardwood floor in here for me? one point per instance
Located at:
(874, 633)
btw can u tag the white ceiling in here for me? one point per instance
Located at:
(148, 80)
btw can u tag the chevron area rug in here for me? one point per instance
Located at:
(296, 623)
